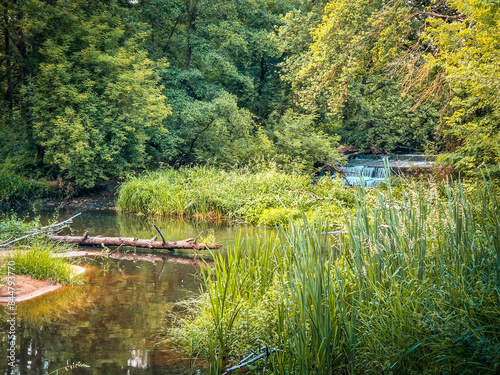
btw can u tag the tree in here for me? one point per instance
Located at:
(466, 58)
(223, 82)
(93, 99)
(348, 72)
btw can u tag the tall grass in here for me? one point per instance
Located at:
(413, 287)
(267, 198)
(39, 263)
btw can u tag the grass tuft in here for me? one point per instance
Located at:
(38, 262)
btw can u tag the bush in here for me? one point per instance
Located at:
(14, 186)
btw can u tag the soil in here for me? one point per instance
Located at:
(27, 288)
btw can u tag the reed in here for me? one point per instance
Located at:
(413, 287)
(267, 198)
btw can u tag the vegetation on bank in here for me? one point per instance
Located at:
(413, 287)
(34, 256)
(39, 263)
(14, 186)
(268, 197)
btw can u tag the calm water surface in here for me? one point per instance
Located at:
(113, 324)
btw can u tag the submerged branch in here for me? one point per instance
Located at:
(249, 360)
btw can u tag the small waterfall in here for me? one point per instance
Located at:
(374, 169)
(371, 175)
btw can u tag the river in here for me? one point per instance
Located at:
(115, 323)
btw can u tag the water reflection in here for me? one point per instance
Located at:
(111, 324)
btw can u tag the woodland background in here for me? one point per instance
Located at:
(93, 90)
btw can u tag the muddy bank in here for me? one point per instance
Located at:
(27, 288)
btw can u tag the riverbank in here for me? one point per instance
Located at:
(412, 287)
(27, 288)
(266, 198)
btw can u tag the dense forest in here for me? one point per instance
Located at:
(101, 89)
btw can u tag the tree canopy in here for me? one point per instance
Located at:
(93, 90)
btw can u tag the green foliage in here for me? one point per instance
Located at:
(411, 288)
(468, 60)
(88, 95)
(345, 71)
(12, 226)
(223, 81)
(14, 186)
(267, 197)
(39, 263)
(276, 217)
(101, 90)
(299, 145)
(96, 102)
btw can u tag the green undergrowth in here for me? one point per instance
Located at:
(14, 186)
(413, 287)
(267, 198)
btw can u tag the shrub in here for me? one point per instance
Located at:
(14, 186)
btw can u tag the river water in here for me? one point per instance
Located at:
(114, 323)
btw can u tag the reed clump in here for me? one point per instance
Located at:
(39, 263)
(412, 287)
(269, 197)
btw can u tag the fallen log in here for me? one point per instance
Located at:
(134, 242)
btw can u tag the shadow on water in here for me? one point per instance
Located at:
(111, 324)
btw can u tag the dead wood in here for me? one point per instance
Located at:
(134, 242)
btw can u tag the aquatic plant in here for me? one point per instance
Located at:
(412, 287)
(269, 197)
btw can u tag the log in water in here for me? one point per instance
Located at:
(135, 242)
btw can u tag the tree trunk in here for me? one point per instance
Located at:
(191, 28)
(8, 65)
(134, 242)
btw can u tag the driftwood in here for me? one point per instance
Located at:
(49, 229)
(85, 240)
